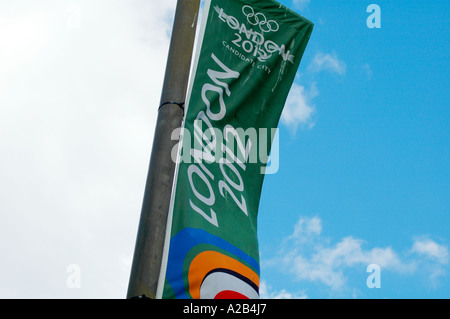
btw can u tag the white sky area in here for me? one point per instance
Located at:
(80, 83)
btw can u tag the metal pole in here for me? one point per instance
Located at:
(152, 225)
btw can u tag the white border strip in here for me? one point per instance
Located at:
(162, 273)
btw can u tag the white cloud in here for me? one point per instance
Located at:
(431, 249)
(79, 92)
(328, 264)
(433, 258)
(328, 62)
(298, 109)
(301, 4)
(266, 292)
(309, 256)
(306, 228)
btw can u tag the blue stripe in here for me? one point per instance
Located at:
(183, 242)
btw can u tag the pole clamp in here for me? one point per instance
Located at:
(181, 105)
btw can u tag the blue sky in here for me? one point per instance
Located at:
(364, 149)
(364, 171)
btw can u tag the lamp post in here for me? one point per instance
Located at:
(152, 224)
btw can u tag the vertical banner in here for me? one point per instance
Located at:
(248, 55)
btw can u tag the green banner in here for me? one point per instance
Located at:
(248, 55)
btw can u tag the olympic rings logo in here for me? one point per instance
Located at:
(260, 19)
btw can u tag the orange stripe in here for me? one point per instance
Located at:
(207, 261)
